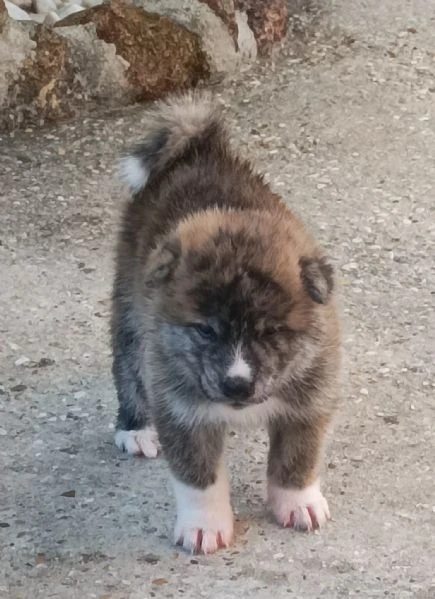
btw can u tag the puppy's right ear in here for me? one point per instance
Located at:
(162, 262)
(317, 278)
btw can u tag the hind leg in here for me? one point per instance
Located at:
(135, 432)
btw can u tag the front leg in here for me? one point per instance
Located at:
(293, 487)
(204, 514)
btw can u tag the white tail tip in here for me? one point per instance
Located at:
(133, 172)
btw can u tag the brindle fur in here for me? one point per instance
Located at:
(207, 241)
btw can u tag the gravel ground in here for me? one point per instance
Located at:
(343, 124)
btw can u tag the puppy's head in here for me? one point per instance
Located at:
(238, 305)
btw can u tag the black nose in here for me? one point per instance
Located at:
(237, 387)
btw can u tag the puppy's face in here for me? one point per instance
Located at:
(228, 328)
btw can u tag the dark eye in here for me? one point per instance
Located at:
(274, 330)
(270, 331)
(206, 331)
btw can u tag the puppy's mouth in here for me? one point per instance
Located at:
(235, 403)
(239, 404)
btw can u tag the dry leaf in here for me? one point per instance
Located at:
(158, 582)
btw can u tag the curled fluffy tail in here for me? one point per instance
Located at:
(175, 128)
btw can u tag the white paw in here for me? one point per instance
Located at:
(301, 509)
(142, 442)
(204, 517)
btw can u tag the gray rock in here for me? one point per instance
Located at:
(245, 37)
(37, 17)
(103, 76)
(51, 18)
(199, 18)
(24, 4)
(16, 13)
(163, 56)
(91, 3)
(69, 9)
(44, 6)
(15, 47)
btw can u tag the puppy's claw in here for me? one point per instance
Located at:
(199, 540)
(300, 509)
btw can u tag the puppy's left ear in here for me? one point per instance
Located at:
(317, 278)
(162, 262)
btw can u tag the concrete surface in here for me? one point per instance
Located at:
(345, 130)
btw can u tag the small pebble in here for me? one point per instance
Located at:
(70, 493)
(22, 360)
(18, 388)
